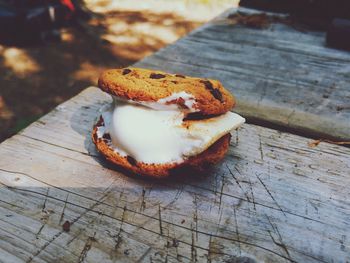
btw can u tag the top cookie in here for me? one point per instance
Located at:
(144, 85)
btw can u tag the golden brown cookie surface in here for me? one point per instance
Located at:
(210, 156)
(144, 85)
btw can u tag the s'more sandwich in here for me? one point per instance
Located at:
(160, 123)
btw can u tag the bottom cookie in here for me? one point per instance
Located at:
(199, 162)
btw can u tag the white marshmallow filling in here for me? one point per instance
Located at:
(156, 133)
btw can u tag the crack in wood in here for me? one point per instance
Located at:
(219, 221)
(237, 137)
(252, 193)
(237, 232)
(167, 246)
(195, 215)
(177, 196)
(268, 191)
(249, 182)
(260, 148)
(46, 214)
(237, 182)
(7, 203)
(64, 208)
(30, 259)
(118, 237)
(209, 250)
(87, 247)
(280, 243)
(56, 145)
(75, 236)
(41, 228)
(160, 221)
(142, 257)
(193, 248)
(143, 203)
(221, 191)
(44, 204)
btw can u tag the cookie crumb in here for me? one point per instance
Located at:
(66, 226)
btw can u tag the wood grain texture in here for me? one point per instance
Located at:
(279, 75)
(273, 199)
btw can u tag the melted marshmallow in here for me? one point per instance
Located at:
(160, 136)
(165, 104)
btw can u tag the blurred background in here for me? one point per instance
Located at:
(51, 50)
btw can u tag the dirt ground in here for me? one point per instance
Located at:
(34, 79)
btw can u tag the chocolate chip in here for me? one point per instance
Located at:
(131, 160)
(126, 71)
(174, 81)
(106, 136)
(180, 76)
(208, 85)
(193, 116)
(101, 121)
(66, 226)
(156, 76)
(215, 92)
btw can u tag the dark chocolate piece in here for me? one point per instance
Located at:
(106, 136)
(156, 76)
(126, 71)
(131, 160)
(180, 76)
(215, 92)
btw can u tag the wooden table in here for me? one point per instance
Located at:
(273, 198)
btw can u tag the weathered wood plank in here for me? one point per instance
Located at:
(272, 199)
(279, 75)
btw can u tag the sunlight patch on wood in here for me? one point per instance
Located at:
(123, 33)
(204, 10)
(20, 62)
(120, 39)
(5, 112)
(144, 34)
(166, 34)
(87, 72)
(67, 36)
